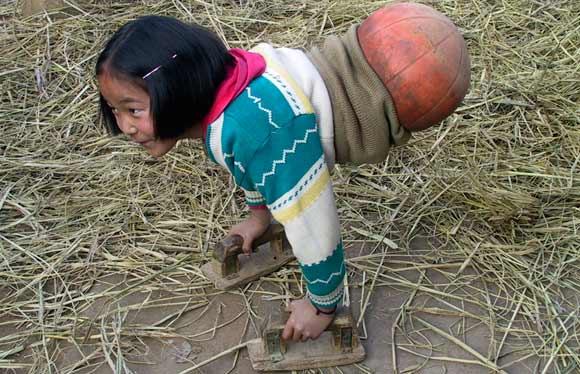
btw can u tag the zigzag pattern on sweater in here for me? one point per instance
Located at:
(284, 153)
(236, 163)
(327, 281)
(300, 186)
(285, 90)
(258, 101)
(279, 74)
(240, 166)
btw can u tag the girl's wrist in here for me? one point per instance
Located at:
(326, 312)
(323, 311)
(262, 215)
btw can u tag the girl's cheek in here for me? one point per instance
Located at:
(148, 126)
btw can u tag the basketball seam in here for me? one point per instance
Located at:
(451, 85)
(421, 56)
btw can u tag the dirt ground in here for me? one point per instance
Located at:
(223, 323)
(508, 158)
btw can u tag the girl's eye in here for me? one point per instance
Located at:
(135, 111)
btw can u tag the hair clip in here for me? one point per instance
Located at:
(157, 68)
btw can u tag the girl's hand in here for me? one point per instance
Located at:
(252, 228)
(303, 323)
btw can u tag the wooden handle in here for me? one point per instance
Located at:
(231, 245)
(343, 334)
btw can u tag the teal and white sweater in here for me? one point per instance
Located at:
(269, 138)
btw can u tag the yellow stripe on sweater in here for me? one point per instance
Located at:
(287, 214)
(279, 69)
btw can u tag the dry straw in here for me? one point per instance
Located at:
(492, 197)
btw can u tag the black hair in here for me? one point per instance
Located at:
(183, 89)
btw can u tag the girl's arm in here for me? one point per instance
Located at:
(290, 172)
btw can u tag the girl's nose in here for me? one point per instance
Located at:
(126, 127)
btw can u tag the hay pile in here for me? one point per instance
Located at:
(496, 189)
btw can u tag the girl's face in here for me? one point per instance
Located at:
(130, 105)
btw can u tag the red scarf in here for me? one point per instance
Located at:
(248, 65)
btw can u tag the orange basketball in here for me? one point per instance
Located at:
(421, 58)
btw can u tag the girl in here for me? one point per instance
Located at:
(162, 80)
(278, 119)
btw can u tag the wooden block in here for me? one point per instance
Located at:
(251, 268)
(338, 345)
(311, 354)
(229, 268)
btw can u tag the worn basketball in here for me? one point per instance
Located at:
(421, 57)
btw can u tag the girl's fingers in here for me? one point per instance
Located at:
(247, 247)
(288, 331)
(297, 335)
